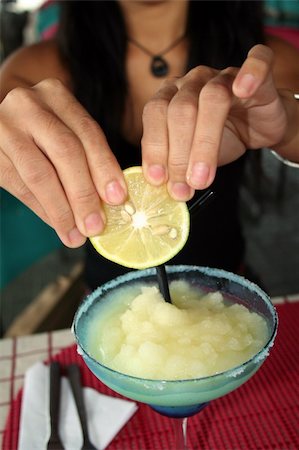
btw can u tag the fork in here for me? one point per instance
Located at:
(54, 442)
(74, 376)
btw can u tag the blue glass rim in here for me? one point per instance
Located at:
(136, 275)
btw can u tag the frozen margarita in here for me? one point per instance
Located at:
(198, 335)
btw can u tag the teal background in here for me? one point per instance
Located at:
(24, 238)
(282, 13)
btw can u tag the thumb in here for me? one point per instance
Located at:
(254, 72)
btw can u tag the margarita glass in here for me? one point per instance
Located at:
(177, 399)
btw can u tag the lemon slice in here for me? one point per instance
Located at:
(147, 230)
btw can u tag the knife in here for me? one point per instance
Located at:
(74, 376)
(54, 442)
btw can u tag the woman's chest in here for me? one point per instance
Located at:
(142, 86)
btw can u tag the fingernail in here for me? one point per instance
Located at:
(180, 191)
(115, 194)
(246, 84)
(199, 175)
(75, 237)
(94, 224)
(156, 173)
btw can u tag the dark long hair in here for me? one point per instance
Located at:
(92, 40)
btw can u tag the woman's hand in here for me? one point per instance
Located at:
(55, 158)
(209, 118)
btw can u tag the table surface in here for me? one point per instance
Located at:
(277, 411)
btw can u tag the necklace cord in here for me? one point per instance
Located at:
(166, 50)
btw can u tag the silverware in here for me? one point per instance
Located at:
(74, 376)
(54, 442)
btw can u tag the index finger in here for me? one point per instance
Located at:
(103, 166)
(155, 134)
(215, 100)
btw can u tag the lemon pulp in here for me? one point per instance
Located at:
(147, 230)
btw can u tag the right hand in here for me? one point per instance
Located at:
(55, 159)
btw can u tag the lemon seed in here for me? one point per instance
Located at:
(160, 230)
(173, 233)
(129, 208)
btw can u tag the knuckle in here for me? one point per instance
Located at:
(24, 194)
(106, 165)
(49, 121)
(18, 96)
(215, 92)
(88, 125)
(169, 81)
(90, 130)
(206, 141)
(85, 196)
(183, 110)
(50, 84)
(62, 218)
(155, 106)
(16, 148)
(169, 87)
(37, 173)
(6, 176)
(231, 70)
(9, 177)
(177, 165)
(154, 146)
(66, 146)
(200, 71)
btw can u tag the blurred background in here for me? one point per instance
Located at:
(41, 280)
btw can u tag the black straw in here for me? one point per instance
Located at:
(161, 272)
(163, 282)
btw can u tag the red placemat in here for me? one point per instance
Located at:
(262, 414)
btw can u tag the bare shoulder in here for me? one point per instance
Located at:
(286, 62)
(29, 65)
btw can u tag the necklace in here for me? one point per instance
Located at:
(159, 67)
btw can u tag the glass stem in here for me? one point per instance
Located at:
(180, 433)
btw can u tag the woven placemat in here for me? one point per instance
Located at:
(262, 414)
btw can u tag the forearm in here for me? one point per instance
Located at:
(288, 147)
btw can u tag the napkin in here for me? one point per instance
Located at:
(106, 415)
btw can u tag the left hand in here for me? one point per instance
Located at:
(209, 118)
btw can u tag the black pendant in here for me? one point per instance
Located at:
(159, 66)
